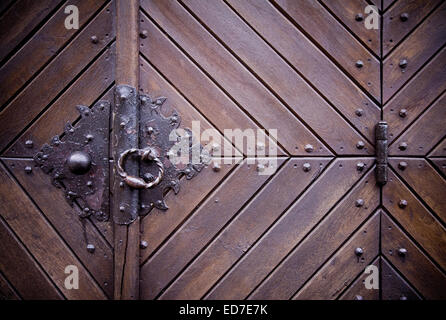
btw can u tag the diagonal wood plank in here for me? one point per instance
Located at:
(422, 44)
(45, 87)
(199, 229)
(439, 150)
(233, 76)
(415, 218)
(311, 63)
(416, 96)
(345, 265)
(424, 133)
(358, 291)
(75, 232)
(332, 37)
(41, 48)
(7, 292)
(426, 182)
(414, 265)
(393, 286)
(274, 71)
(43, 242)
(310, 254)
(396, 26)
(440, 164)
(22, 271)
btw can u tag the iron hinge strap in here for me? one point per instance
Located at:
(381, 152)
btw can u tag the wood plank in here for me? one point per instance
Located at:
(416, 96)
(427, 39)
(49, 40)
(311, 63)
(415, 266)
(45, 87)
(358, 291)
(346, 11)
(233, 77)
(424, 133)
(195, 86)
(395, 29)
(252, 222)
(440, 164)
(440, 150)
(6, 291)
(345, 265)
(393, 286)
(426, 182)
(42, 240)
(22, 271)
(84, 91)
(336, 41)
(127, 237)
(4, 5)
(152, 82)
(284, 81)
(198, 230)
(77, 233)
(415, 218)
(385, 3)
(309, 255)
(20, 20)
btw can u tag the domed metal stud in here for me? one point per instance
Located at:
(79, 162)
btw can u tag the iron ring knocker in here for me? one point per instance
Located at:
(147, 154)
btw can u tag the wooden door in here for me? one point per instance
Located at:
(309, 69)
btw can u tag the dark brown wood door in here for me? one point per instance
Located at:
(308, 69)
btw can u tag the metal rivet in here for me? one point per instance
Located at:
(359, 251)
(359, 203)
(402, 252)
(360, 166)
(309, 148)
(94, 39)
(143, 244)
(29, 144)
(358, 297)
(216, 166)
(89, 137)
(89, 183)
(403, 63)
(79, 162)
(403, 113)
(359, 17)
(306, 167)
(402, 146)
(402, 165)
(72, 194)
(144, 33)
(121, 208)
(403, 298)
(402, 204)
(404, 17)
(122, 124)
(28, 169)
(359, 112)
(121, 184)
(359, 64)
(90, 248)
(150, 130)
(86, 210)
(360, 145)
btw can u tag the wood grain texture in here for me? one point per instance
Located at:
(7, 292)
(393, 286)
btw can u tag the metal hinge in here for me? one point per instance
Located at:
(381, 152)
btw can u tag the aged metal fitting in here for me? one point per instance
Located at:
(29, 144)
(309, 148)
(90, 248)
(306, 167)
(143, 244)
(89, 183)
(404, 17)
(359, 203)
(359, 17)
(403, 63)
(402, 252)
(122, 208)
(402, 165)
(144, 33)
(402, 204)
(402, 146)
(216, 166)
(359, 251)
(359, 64)
(358, 297)
(360, 166)
(79, 162)
(403, 298)
(359, 112)
(360, 145)
(403, 113)
(94, 39)
(28, 169)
